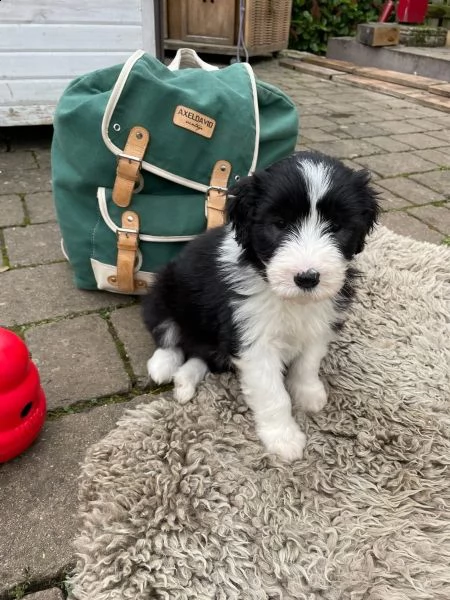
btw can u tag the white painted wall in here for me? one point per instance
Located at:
(44, 44)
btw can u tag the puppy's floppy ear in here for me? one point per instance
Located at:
(241, 207)
(369, 208)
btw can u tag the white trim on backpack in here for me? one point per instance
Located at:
(103, 207)
(256, 107)
(114, 98)
(103, 271)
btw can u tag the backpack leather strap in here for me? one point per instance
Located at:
(216, 195)
(127, 247)
(129, 165)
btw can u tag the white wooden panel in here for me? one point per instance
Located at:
(30, 36)
(148, 26)
(31, 91)
(71, 11)
(26, 115)
(55, 65)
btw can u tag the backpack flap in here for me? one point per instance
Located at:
(194, 117)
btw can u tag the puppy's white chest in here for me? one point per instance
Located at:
(266, 321)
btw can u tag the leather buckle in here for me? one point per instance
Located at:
(129, 157)
(221, 191)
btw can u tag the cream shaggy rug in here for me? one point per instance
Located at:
(180, 502)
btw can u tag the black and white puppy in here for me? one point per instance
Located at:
(265, 293)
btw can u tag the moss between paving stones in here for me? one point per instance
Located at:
(29, 587)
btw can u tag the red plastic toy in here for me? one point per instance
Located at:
(22, 400)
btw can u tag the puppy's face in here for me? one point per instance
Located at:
(301, 220)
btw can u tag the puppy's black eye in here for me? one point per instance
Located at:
(280, 223)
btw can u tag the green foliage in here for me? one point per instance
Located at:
(314, 21)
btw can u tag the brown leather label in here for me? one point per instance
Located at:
(194, 121)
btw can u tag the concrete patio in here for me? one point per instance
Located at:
(90, 347)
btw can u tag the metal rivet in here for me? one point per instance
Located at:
(129, 219)
(223, 168)
(237, 177)
(139, 135)
(116, 127)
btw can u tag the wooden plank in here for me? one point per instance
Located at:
(60, 65)
(378, 34)
(27, 115)
(218, 49)
(443, 89)
(298, 65)
(384, 87)
(330, 63)
(64, 11)
(414, 81)
(436, 102)
(38, 37)
(31, 91)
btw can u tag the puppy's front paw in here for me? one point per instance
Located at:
(187, 378)
(184, 390)
(310, 397)
(288, 441)
(164, 363)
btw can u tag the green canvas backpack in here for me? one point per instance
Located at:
(142, 156)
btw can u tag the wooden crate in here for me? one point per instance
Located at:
(212, 26)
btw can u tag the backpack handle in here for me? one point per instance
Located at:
(187, 58)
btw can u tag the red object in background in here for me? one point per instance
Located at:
(411, 11)
(22, 400)
(388, 7)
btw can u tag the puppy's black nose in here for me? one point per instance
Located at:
(306, 280)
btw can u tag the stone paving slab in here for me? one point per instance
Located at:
(443, 134)
(35, 244)
(397, 127)
(388, 200)
(43, 158)
(405, 224)
(421, 141)
(389, 144)
(22, 182)
(38, 495)
(317, 135)
(362, 130)
(439, 156)
(40, 207)
(436, 216)
(45, 292)
(77, 360)
(410, 189)
(51, 594)
(16, 161)
(137, 342)
(396, 163)
(424, 125)
(11, 211)
(346, 148)
(437, 180)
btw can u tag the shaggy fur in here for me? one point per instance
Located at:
(265, 293)
(180, 503)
